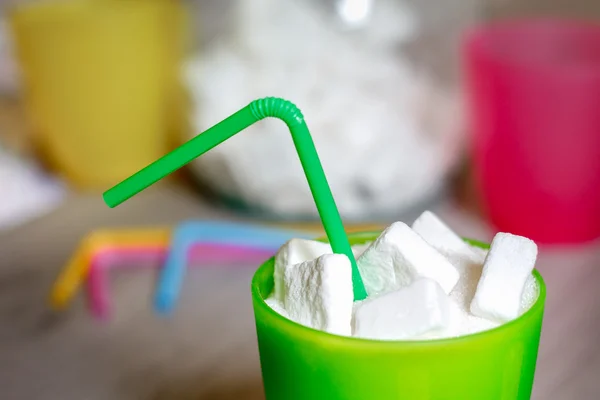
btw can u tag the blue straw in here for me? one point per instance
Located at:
(191, 233)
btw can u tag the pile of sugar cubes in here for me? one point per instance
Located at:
(423, 282)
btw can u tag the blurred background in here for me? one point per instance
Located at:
(408, 106)
(95, 90)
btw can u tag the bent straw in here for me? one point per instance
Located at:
(189, 233)
(252, 113)
(98, 280)
(77, 269)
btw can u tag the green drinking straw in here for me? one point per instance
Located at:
(254, 112)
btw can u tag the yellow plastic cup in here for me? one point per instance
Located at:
(99, 78)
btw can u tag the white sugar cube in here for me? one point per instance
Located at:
(530, 294)
(467, 259)
(475, 325)
(443, 239)
(460, 323)
(464, 291)
(277, 306)
(295, 251)
(411, 311)
(359, 249)
(480, 254)
(456, 321)
(398, 257)
(318, 293)
(506, 270)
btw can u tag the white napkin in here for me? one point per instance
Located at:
(25, 191)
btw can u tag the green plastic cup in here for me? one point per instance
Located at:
(302, 363)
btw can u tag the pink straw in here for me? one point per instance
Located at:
(201, 255)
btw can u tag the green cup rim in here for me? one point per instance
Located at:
(363, 237)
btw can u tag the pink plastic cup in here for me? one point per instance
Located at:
(534, 89)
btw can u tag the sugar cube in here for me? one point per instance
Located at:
(276, 305)
(318, 293)
(530, 294)
(414, 310)
(464, 291)
(398, 257)
(442, 238)
(359, 249)
(506, 270)
(294, 252)
(457, 318)
(475, 325)
(460, 323)
(467, 259)
(480, 254)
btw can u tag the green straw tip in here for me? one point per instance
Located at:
(111, 203)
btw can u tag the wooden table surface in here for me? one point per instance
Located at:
(207, 349)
